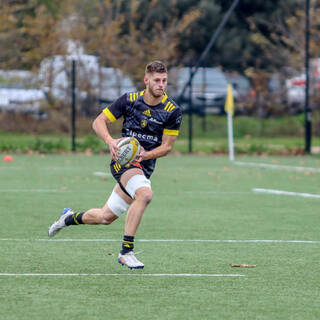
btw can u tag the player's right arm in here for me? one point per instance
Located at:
(107, 116)
(100, 127)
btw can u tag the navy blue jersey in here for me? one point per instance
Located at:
(146, 123)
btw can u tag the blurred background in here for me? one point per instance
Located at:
(57, 54)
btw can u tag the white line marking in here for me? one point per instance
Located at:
(286, 193)
(275, 166)
(33, 190)
(97, 191)
(102, 174)
(211, 192)
(165, 240)
(118, 275)
(47, 190)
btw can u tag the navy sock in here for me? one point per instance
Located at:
(74, 219)
(127, 244)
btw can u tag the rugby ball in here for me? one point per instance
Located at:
(129, 148)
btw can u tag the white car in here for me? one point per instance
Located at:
(92, 81)
(21, 100)
(296, 90)
(17, 94)
(209, 89)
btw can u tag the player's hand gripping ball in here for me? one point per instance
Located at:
(129, 148)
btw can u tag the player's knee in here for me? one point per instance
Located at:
(145, 195)
(105, 218)
(148, 197)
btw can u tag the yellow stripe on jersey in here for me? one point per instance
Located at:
(135, 95)
(169, 106)
(164, 98)
(109, 115)
(170, 132)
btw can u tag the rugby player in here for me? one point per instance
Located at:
(154, 119)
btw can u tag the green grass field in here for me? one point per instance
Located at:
(196, 198)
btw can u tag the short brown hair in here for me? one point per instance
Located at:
(156, 66)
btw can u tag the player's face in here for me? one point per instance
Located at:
(156, 83)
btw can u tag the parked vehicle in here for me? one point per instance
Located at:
(112, 84)
(243, 92)
(94, 84)
(209, 89)
(315, 75)
(241, 85)
(55, 75)
(18, 92)
(296, 93)
(296, 86)
(18, 79)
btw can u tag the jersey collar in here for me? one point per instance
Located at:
(164, 99)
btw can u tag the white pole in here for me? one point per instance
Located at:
(230, 137)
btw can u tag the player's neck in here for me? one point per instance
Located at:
(150, 99)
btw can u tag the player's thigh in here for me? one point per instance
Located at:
(137, 184)
(122, 194)
(128, 174)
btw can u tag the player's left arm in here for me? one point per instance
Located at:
(161, 151)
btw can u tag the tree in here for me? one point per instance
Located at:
(128, 34)
(28, 32)
(281, 39)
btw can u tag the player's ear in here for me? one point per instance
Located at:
(146, 80)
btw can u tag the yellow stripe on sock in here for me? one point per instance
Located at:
(75, 216)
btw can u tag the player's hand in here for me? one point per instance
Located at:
(113, 147)
(141, 156)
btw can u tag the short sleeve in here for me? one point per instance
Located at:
(116, 109)
(172, 127)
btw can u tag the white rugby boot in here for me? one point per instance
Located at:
(130, 260)
(60, 224)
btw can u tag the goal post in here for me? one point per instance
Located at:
(229, 108)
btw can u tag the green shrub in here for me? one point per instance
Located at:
(91, 142)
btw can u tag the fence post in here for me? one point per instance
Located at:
(307, 109)
(73, 107)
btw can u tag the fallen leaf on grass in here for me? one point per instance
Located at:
(243, 265)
